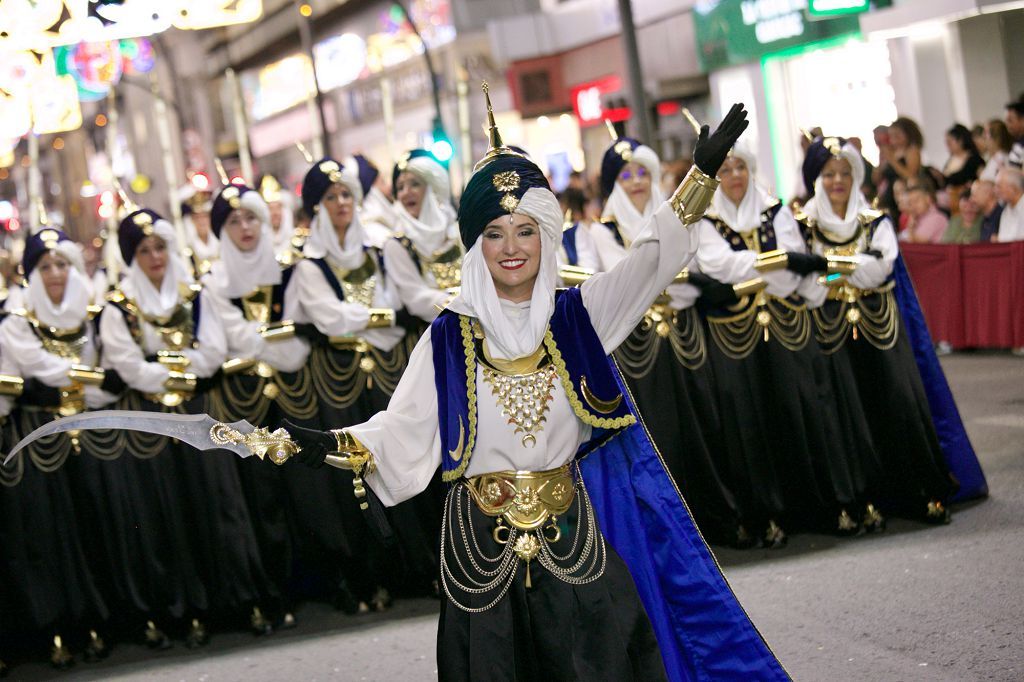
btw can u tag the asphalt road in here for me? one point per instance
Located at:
(917, 603)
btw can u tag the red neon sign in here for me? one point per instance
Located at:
(587, 101)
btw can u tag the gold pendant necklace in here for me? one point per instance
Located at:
(523, 389)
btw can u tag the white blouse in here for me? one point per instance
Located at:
(244, 339)
(309, 298)
(120, 351)
(871, 272)
(717, 259)
(586, 252)
(22, 355)
(405, 438)
(417, 291)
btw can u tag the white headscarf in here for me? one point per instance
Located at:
(136, 284)
(323, 238)
(435, 225)
(208, 250)
(73, 307)
(238, 273)
(819, 207)
(283, 237)
(515, 330)
(746, 216)
(377, 209)
(620, 207)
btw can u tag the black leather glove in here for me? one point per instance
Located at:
(38, 394)
(112, 382)
(710, 151)
(204, 384)
(308, 331)
(406, 320)
(713, 292)
(805, 263)
(874, 252)
(316, 445)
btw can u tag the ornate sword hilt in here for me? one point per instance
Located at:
(277, 445)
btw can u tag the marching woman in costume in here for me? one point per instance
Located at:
(789, 457)
(510, 384)
(163, 336)
(282, 219)
(203, 246)
(859, 325)
(50, 588)
(377, 212)
(266, 375)
(341, 289)
(664, 360)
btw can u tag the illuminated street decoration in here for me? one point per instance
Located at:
(45, 24)
(96, 67)
(55, 106)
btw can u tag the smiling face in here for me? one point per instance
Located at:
(734, 176)
(151, 255)
(53, 268)
(837, 180)
(410, 191)
(636, 181)
(243, 228)
(511, 248)
(340, 206)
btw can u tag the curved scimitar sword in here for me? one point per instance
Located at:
(201, 431)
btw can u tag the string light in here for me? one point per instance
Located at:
(306, 10)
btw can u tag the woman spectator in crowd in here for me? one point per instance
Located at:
(927, 223)
(998, 144)
(900, 157)
(965, 226)
(962, 167)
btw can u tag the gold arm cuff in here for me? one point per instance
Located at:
(237, 365)
(573, 275)
(278, 331)
(180, 382)
(769, 261)
(751, 286)
(381, 318)
(86, 375)
(683, 277)
(693, 196)
(352, 456)
(843, 265)
(172, 359)
(11, 386)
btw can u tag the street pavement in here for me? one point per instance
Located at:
(917, 603)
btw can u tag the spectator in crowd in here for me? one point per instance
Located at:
(963, 165)
(1015, 126)
(997, 144)
(899, 192)
(899, 157)
(965, 226)
(1009, 190)
(927, 223)
(978, 135)
(983, 193)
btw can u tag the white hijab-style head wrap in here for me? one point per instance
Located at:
(746, 216)
(73, 307)
(136, 284)
(820, 208)
(435, 225)
(323, 238)
(515, 330)
(620, 206)
(238, 273)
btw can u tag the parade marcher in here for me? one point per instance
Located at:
(664, 359)
(262, 379)
(377, 212)
(340, 288)
(282, 219)
(198, 553)
(50, 346)
(788, 453)
(425, 257)
(203, 246)
(859, 325)
(522, 601)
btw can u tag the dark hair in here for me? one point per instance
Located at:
(1017, 106)
(1000, 134)
(977, 130)
(962, 135)
(922, 182)
(909, 128)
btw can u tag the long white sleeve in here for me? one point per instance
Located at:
(120, 352)
(586, 250)
(417, 295)
(205, 360)
(244, 340)
(872, 272)
(617, 299)
(719, 261)
(404, 438)
(24, 355)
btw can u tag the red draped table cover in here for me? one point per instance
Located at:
(972, 294)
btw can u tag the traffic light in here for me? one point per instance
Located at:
(441, 147)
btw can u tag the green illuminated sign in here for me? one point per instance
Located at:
(731, 32)
(827, 8)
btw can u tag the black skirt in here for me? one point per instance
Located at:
(49, 582)
(665, 366)
(551, 630)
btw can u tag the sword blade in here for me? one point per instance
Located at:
(193, 429)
